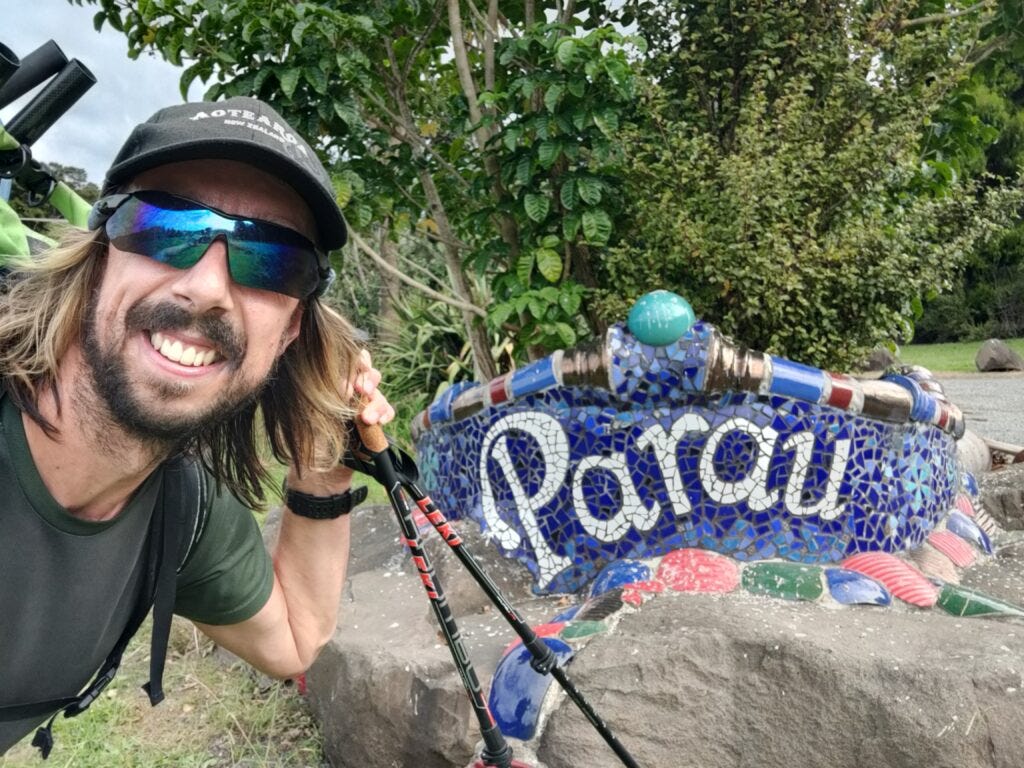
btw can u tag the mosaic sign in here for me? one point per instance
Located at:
(631, 451)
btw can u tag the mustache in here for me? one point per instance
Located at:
(164, 316)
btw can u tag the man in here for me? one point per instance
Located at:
(188, 311)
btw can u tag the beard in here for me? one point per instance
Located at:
(146, 420)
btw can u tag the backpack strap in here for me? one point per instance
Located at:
(194, 509)
(169, 549)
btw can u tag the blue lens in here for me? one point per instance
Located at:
(177, 231)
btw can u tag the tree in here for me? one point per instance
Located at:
(980, 132)
(794, 205)
(490, 134)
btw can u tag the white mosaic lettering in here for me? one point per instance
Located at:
(632, 512)
(827, 507)
(664, 444)
(751, 488)
(218, 113)
(554, 452)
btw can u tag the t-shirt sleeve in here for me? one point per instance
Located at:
(229, 576)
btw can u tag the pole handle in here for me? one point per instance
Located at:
(38, 67)
(56, 98)
(9, 63)
(372, 435)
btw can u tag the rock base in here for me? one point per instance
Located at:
(685, 680)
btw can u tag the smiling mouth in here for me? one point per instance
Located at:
(175, 351)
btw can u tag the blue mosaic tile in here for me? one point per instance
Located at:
(853, 588)
(966, 528)
(617, 574)
(517, 690)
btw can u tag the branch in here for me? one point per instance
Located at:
(489, 42)
(380, 262)
(400, 131)
(411, 58)
(991, 47)
(938, 18)
(495, 22)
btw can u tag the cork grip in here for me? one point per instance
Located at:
(372, 435)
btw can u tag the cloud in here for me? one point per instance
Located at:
(126, 92)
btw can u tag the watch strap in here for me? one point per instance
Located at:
(324, 507)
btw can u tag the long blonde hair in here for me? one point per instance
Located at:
(305, 406)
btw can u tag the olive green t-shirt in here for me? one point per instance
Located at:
(68, 586)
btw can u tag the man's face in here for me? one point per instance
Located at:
(171, 349)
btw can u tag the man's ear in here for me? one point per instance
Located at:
(294, 326)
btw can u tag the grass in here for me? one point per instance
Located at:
(954, 357)
(217, 713)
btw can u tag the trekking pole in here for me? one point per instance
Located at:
(71, 82)
(403, 478)
(496, 751)
(40, 65)
(9, 64)
(544, 660)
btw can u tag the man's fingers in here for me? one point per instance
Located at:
(377, 410)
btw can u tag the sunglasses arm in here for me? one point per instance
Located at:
(103, 209)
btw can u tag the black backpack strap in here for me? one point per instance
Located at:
(182, 501)
(194, 509)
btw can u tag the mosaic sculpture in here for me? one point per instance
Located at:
(669, 458)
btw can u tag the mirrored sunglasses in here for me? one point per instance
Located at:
(177, 231)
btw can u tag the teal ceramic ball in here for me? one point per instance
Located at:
(660, 318)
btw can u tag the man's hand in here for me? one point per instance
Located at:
(310, 559)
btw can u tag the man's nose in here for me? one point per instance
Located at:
(207, 284)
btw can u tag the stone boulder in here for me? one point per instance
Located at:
(878, 360)
(685, 679)
(974, 453)
(995, 355)
(1002, 493)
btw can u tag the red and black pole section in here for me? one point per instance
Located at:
(544, 660)
(496, 751)
(398, 473)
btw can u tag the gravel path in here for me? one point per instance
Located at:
(993, 403)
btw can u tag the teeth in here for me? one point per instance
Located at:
(174, 350)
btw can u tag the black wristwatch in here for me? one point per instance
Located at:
(324, 507)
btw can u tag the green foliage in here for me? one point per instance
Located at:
(987, 299)
(800, 170)
(426, 355)
(563, 96)
(784, 146)
(524, 194)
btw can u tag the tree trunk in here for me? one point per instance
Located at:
(387, 318)
(483, 364)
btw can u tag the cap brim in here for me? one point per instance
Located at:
(331, 227)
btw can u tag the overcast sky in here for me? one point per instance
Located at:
(126, 92)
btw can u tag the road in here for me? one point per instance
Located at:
(993, 403)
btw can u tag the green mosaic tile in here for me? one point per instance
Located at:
(583, 629)
(789, 581)
(964, 601)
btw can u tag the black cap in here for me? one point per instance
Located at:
(240, 128)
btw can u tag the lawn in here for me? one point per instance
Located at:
(218, 713)
(951, 357)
